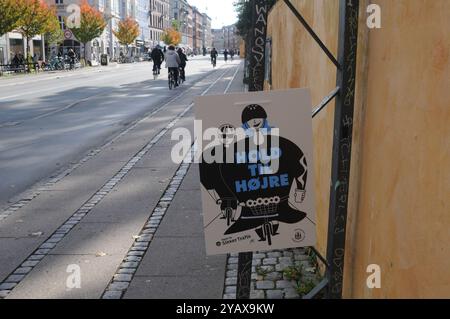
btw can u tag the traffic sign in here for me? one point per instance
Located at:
(68, 34)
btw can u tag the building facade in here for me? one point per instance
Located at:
(179, 11)
(197, 32)
(226, 38)
(218, 39)
(13, 43)
(3, 50)
(195, 26)
(114, 11)
(159, 20)
(207, 36)
(153, 16)
(232, 40)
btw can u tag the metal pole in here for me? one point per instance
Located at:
(342, 144)
(258, 45)
(256, 83)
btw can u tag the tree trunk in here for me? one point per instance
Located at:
(28, 58)
(84, 54)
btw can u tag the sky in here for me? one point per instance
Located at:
(221, 11)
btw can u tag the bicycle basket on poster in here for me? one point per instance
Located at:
(263, 206)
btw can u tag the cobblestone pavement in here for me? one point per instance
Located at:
(277, 274)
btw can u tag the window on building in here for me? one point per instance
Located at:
(59, 1)
(2, 59)
(61, 22)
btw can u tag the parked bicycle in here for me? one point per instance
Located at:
(55, 64)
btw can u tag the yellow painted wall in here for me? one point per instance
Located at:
(403, 223)
(242, 49)
(399, 216)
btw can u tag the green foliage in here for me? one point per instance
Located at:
(244, 10)
(304, 288)
(36, 18)
(293, 272)
(54, 34)
(55, 37)
(10, 12)
(303, 285)
(127, 32)
(92, 24)
(176, 25)
(262, 271)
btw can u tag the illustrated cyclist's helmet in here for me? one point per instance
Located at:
(253, 111)
(228, 134)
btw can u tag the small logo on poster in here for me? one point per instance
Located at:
(299, 235)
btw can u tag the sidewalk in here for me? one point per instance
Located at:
(176, 265)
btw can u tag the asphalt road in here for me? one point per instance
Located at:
(49, 121)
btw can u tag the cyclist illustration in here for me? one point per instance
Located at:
(251, 185)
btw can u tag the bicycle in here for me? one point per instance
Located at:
(264, 208)
(267, 231)
(228, 209)
(55, 64)
(172, 82)
(214, 62)
(156, 71)
(181, 76)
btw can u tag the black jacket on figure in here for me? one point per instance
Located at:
(157, 55)
(183, 58)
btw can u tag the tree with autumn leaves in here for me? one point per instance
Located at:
(10, 14)
(172, 35)
(92, 24)
(127, 31)
(29, 17)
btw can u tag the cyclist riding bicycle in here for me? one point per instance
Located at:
(214, 56)
(157, 56)
(183, 59)
(173, 62)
